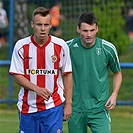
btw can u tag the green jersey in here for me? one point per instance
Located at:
(90, 73)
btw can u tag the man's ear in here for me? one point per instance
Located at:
(31, 24)
(50, 26)
(97, 28)
(78, 30)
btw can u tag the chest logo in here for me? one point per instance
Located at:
(75, 45)
(98, 51)
(54, 58)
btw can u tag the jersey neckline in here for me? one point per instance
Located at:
(37, 45)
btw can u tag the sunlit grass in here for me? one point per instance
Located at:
(122, 120)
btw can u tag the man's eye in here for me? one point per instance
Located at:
(46, 24)
(85, 30)
(39, 24)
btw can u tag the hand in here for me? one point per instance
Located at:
(44, 93)
(111, 103)
(67, 111)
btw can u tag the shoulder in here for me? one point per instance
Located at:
(23, 41)
(58, 41)
(108, 45)
(73, 41)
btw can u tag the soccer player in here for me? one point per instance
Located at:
(91, 59)
(38, 64)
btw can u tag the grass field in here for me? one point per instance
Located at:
(122, 120)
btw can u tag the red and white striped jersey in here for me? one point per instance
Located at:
(43, 66)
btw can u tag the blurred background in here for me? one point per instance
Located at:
(115, 20)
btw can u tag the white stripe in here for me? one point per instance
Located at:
(33, 78)
(69, 42)
(49, 103)
(61, 87)
(49, 65)
(49, 78)
(20, 97)
(107, 115)
(112, 47)
(32, 101)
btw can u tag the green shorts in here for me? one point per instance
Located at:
(98, 122)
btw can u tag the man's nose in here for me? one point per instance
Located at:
(42, 27)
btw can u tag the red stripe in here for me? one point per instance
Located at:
(41, 78)
(25, 106)
(56, 96)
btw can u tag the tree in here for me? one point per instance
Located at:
(111, 23)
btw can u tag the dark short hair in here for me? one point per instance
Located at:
(40, 10)
(88, 18)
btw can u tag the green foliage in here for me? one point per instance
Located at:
(109, 13)
(111, 23)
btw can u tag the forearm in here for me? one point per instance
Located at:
(22, 81)
(68, 84)
(111, 102)
(117, 83)
(43, 92)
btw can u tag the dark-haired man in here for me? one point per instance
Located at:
(91, 59)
